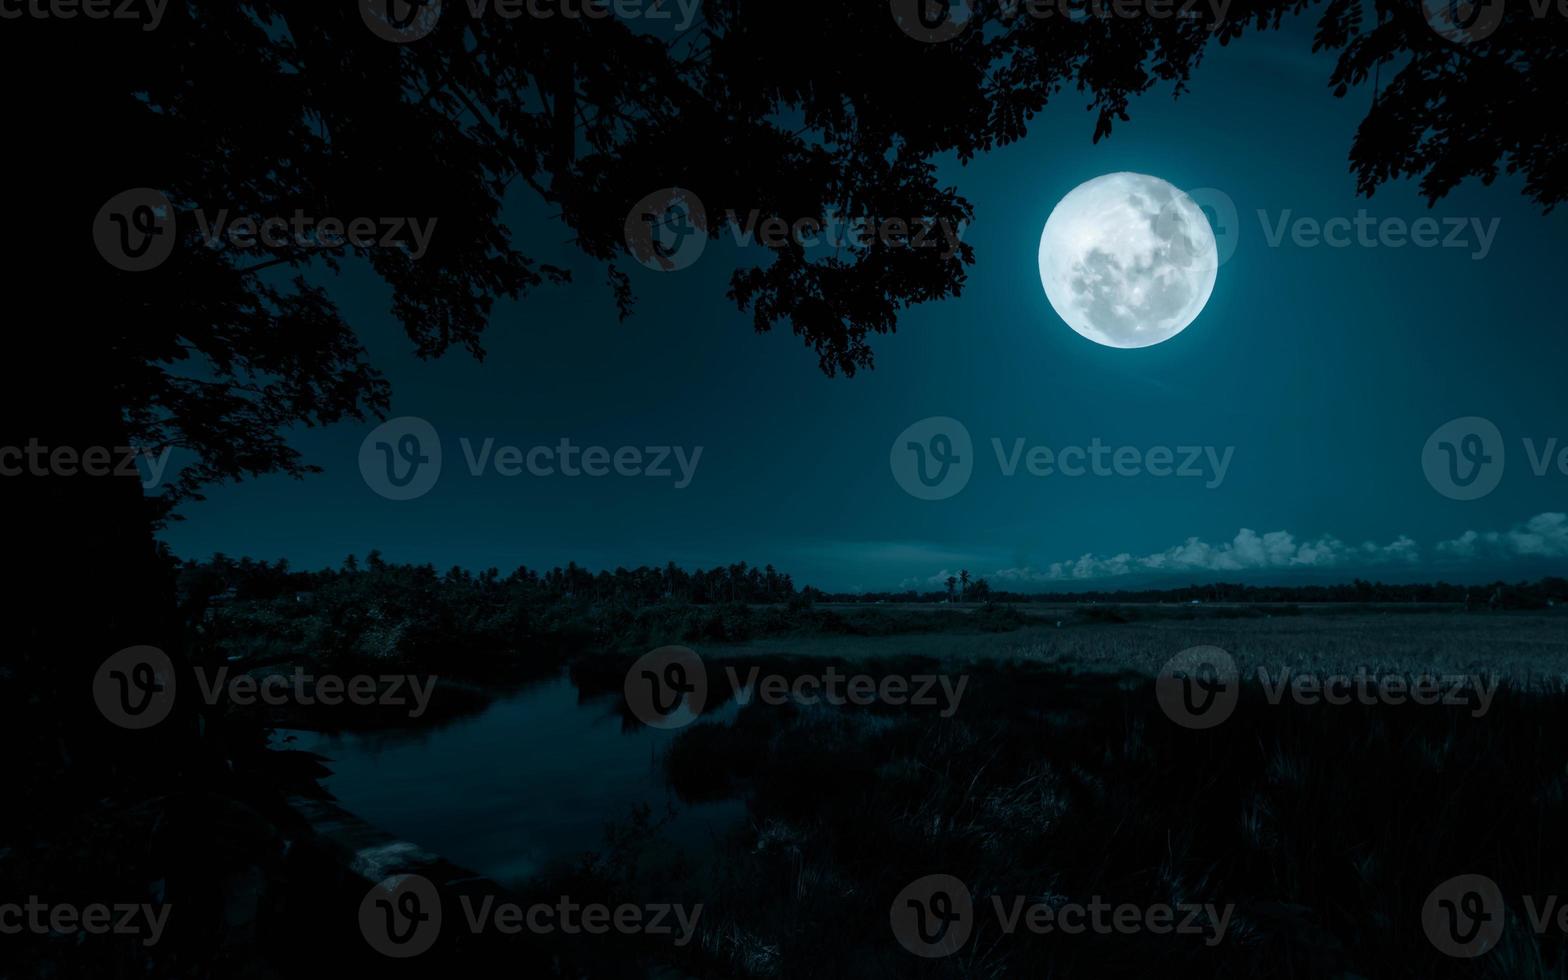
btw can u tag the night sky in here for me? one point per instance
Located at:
(1325, 368)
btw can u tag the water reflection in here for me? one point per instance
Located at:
(529, 782)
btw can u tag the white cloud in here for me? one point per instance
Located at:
(1248, 551)
(1544, 535)
(937, 581)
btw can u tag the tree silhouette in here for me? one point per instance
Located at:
(272, 107)
(266, 107)
(981, 590)
(1459, 106)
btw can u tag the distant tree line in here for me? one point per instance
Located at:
(224, 578)
(246, 578)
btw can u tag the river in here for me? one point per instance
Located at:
(531, 781)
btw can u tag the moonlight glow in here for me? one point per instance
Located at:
(1128, 260)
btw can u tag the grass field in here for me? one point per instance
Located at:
(1527, 647)
(1324, 830)
(1060, 781)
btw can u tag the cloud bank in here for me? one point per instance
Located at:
(1247, 551)
(1542, 536)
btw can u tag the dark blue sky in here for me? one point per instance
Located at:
(1325, 368)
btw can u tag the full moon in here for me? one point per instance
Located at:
(1128, 260)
